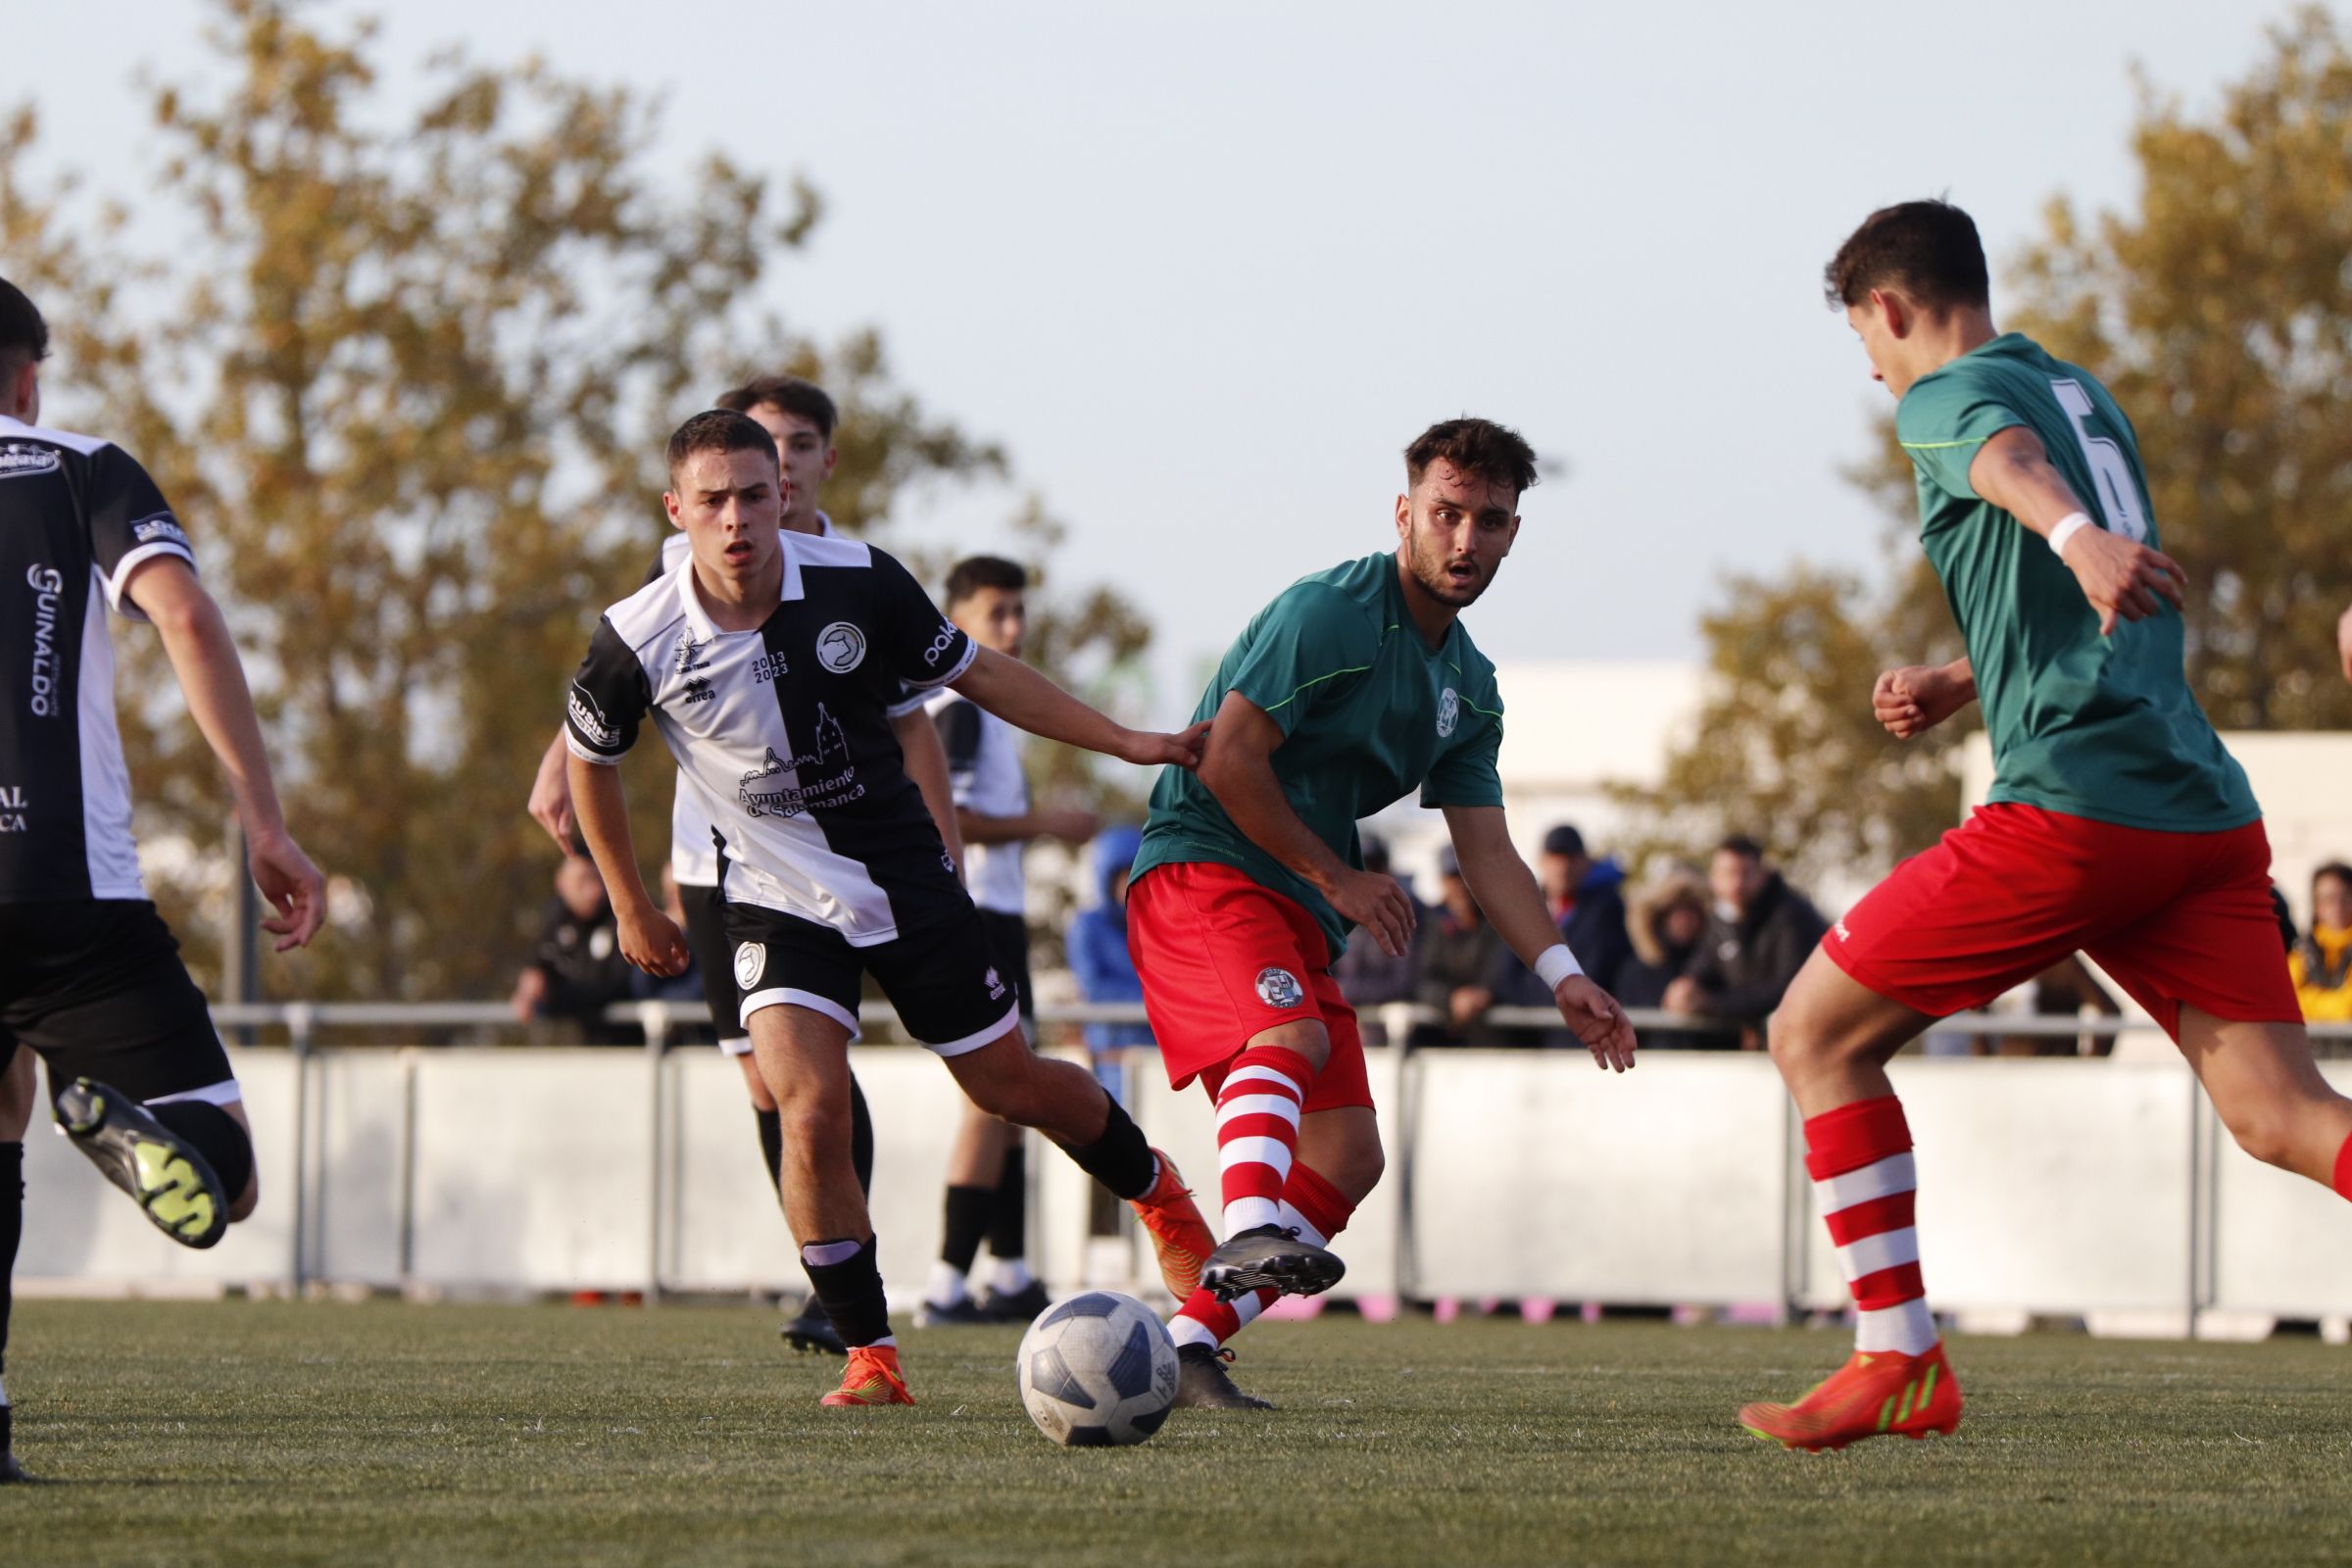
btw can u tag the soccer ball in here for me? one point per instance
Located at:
(1096, 1370)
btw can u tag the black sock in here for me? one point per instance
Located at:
(216, 1135)
(851, 1292)
(970, 1210)
(1008, 1228)
(861, 1138)
(1120, 1159)
(771, 1147)
(12, 1231)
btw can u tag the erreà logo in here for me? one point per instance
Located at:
(1449, 712)
(20, 459)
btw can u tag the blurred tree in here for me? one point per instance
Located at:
(408, 383)
(2220, 313)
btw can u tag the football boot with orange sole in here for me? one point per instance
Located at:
(1878, 1394)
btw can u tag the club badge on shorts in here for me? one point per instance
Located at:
(751, 962)
(1279, 988)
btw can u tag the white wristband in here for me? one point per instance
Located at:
(1557, 963)
(2072, 524)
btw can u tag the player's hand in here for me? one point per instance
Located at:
(1916, 698)
(2122, 580)
(1595, 1018)
(1380, 904)
(653, 942)
(290, 884)
(551, 801)
(2343, 642)
(1071, 827)
(1149, 748)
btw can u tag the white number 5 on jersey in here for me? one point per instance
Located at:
(2110, 469)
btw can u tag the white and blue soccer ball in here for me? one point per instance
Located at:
(1098, 1370)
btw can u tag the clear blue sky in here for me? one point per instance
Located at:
(1204, 268)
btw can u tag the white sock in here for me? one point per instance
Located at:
(948, 1287)
(1010, 1276)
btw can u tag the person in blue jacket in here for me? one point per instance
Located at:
(1098, 957)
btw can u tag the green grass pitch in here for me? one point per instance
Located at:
(237, 1433)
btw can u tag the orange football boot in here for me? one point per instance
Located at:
(872, 1378)
(1878, 1394)
(1179, 1234)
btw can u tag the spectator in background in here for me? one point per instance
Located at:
(1760, 934)
(1099, 956)
(2322, 962)
(576, 969)
(1664, 928)
(1454, 959)
(1367, 976)
(1588, 905)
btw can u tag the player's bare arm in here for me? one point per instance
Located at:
(1069, 826)
(649, 939)
(1507, 895)
(2122, 580)
(1026, 700)
(550, 804)
(2343, 642)
(196, 639)
(1236, 766)
(1916, 698)
(926, 762)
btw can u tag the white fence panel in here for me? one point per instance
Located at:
(2046, 1186)
(2280, 1244)
(356, 1210)
(1535, 1175)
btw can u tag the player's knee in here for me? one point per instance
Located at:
(245, 1201)
(1358, 1169)
(2264, 1132)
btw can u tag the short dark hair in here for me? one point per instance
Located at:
(1494, 452)
(975, 573)
(1929, 250)
(791, 393)
(1564, 841)
(24, 335)
(1741, 844)
(718, 430)
(2336, 869)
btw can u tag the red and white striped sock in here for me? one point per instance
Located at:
(1859, 1156)
(1257, 1133)
(1318, 1209)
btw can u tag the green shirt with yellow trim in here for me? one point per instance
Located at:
(1368, 712)
(2101, 727)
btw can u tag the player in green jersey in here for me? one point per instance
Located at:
(2118, 824)
(1353, 688)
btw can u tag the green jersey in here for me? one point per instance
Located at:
(2102, 727)
(1368, 712)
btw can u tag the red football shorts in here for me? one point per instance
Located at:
(1224, 958)
(2176, 918)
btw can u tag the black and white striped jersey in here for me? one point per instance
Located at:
(77, 516)
(784, 733)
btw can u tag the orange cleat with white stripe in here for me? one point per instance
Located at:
(1179, 1234)
(1878, 1394)
(872, 1378)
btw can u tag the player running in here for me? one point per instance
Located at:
(769, 662)
(2117, 824)
(987, 1180)
(90, 977)
(1353, 687)
(802, 418)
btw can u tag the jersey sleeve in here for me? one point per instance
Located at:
(1466, 774)
(610, 698)
(910, 700)
(959, 724)
(923, 647)
(1943, 421)
(131, 523)
(1308, 641)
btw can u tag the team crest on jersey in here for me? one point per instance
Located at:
(1279, 988)
(841, 648)
(1449, 712)
(751, 962)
